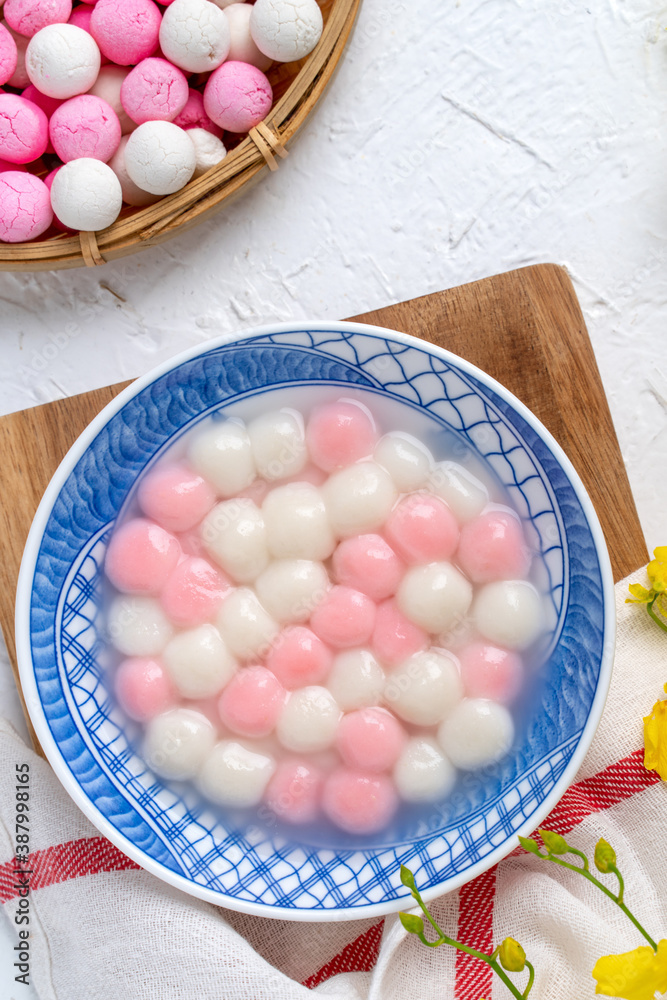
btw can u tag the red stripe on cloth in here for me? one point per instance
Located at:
(475, 928)
(87, 856)
(360, 956)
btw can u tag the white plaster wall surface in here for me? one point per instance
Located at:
(457, 140)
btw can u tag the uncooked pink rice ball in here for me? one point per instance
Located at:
(143, 688)
(359, 802)
(25, 206)
(27, 17)
(8, 55)
(339, 434)
(85, 126)
(154, 91)
(193, 115)
(237, 96)
(126, 31)
(140, 557)
(23, 129)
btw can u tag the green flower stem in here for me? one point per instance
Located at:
(616, 899)
(531, 978)
(621, 884)
(487, 959)
(654, 616)
(581, 854)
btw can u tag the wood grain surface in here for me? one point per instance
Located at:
(525, 328)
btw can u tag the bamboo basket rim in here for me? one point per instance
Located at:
(263, 148)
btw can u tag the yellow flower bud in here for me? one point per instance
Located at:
(512, 956)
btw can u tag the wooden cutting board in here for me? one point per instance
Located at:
(525, 328)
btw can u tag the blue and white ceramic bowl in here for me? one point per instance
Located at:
(178, 838)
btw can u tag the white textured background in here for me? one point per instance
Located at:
(459, 138)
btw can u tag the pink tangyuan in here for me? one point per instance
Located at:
(85, 126)
(423, 529)
(493, 547)
(28, 17)
(294, 791)
(8, 55)
(298, 658)
(237, 96)
(175, 496)
(491, 672)
(370, 739)
(369, 564)
(193, 115)
(24, 129)
(194, 592)
(339, 434)
(140, 557)
(359, 802)
(251, 703)
(345, 618)
(154, 90)
(25, 206)
(143, 688)
(395, 637)
(126, 31)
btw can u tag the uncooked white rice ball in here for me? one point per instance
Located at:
(209, 150)
(177, 743)
(297, 524)
(478, 732)
(422, 772)
(509, 612)
(286, 29)
(160, 157)
(358, 498)
(233, 775)
(278, 444)
(86, 194)
(194, 35)
(356, 679)
(246, 627)
(309, 720)
(138, 626)
(291, 589)
(435, 596)
(425, 688)
(198, 662)
(222, 454)
(234, 535)
(406, 460)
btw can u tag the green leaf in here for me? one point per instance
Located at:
(512, 956)
(531, 846)
(412, 923)
(407, 878)
(605, 856)
(554, 843)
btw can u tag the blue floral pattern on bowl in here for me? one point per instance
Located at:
(175, 834)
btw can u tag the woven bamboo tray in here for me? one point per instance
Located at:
(297, 88)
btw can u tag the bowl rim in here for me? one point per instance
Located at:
(33, 700)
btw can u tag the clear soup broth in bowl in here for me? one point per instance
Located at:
(303, 607)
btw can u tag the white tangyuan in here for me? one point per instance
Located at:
(233, 775)
(286, 29)
(356, 679)
(406, 460)
(278, 444)
(160, 157)
(234, 535)
(246, 627)
(209, 150)
(223, 455)
(177, 743)
(359, 498)
(194, 35)
(425, 688)
(291, 589)
(509, 612)
(198, 662)
(309, 720)
(477, 733)
(435, 596)
(138, 626)
(422, 772)
(463, 493)
(297, 524)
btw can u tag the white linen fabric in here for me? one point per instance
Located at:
(118, 934)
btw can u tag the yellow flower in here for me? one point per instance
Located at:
(640, 595)
(657, 570)
(635, 975)
(655, 739)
